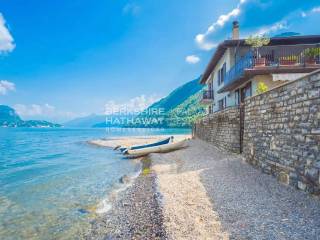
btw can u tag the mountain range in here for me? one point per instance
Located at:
(179, 109)
(85, 122)
(9, 118)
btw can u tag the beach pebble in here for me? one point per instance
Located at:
(136, 214)
(124, 179)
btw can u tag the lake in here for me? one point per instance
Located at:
(52, 180)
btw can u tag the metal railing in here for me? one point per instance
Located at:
(299, 55)
(275, 56)
(207, 95)
(238, 69)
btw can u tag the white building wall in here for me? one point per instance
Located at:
(226, 58)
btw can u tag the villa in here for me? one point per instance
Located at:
(264, 103)
(236, 69)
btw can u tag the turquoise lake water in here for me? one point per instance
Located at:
(51, 180)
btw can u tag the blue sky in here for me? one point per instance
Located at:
(61, 59)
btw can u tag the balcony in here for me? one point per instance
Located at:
(273, 59)
(207, 97)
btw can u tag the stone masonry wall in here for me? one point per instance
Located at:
(220, 128)
(282, 132)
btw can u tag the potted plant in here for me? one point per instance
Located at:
(312, 55)
(257, 42)
(288, 60)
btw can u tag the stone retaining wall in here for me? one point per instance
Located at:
(220, 128)
(282, 132)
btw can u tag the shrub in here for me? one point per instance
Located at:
(312, 52)
(262, 87)
(257, 41)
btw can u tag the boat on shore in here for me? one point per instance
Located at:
(156, 149)
(158, 143)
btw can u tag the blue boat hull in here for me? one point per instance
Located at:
(162, 142)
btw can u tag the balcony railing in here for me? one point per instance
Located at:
(207, 95)
(275, 56)
(238, 69)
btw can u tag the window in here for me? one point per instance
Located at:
(222, 103)
(221, 74)
(237, 96)
(210, 86)
(210, 109)
(248, 90)
(224, 71)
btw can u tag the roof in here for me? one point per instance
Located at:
(276, 41)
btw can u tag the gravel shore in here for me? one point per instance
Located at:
(244, 202)
(136, 213)
(201, 192)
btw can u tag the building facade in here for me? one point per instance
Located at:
(236, 70)
(277, 129)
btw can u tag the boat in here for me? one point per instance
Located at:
(136, 147)
(156, 149)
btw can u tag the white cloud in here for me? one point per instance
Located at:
(44, 112)
(34, 110)
(202, 38)
(316, 10)
(131, 8)
(6, 39)
(6, 86)
(134, 105)
(192, 59)
(272, 28)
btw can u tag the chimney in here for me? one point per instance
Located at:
(235, 30)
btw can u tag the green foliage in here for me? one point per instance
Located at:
(178, 95)
(312, 52)
(185, 114)
(257, 41)
(262, 87)
(179, 109)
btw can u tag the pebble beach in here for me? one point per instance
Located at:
(201, 192)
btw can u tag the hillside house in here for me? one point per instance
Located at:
(278, 129)
(235, 69)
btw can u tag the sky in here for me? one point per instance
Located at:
(64, 59)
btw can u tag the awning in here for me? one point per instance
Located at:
(287, 76)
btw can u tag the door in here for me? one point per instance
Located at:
(244, 93)
(241, 109)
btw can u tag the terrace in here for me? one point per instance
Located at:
(272, 59)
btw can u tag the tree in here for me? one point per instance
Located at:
(257, 41)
